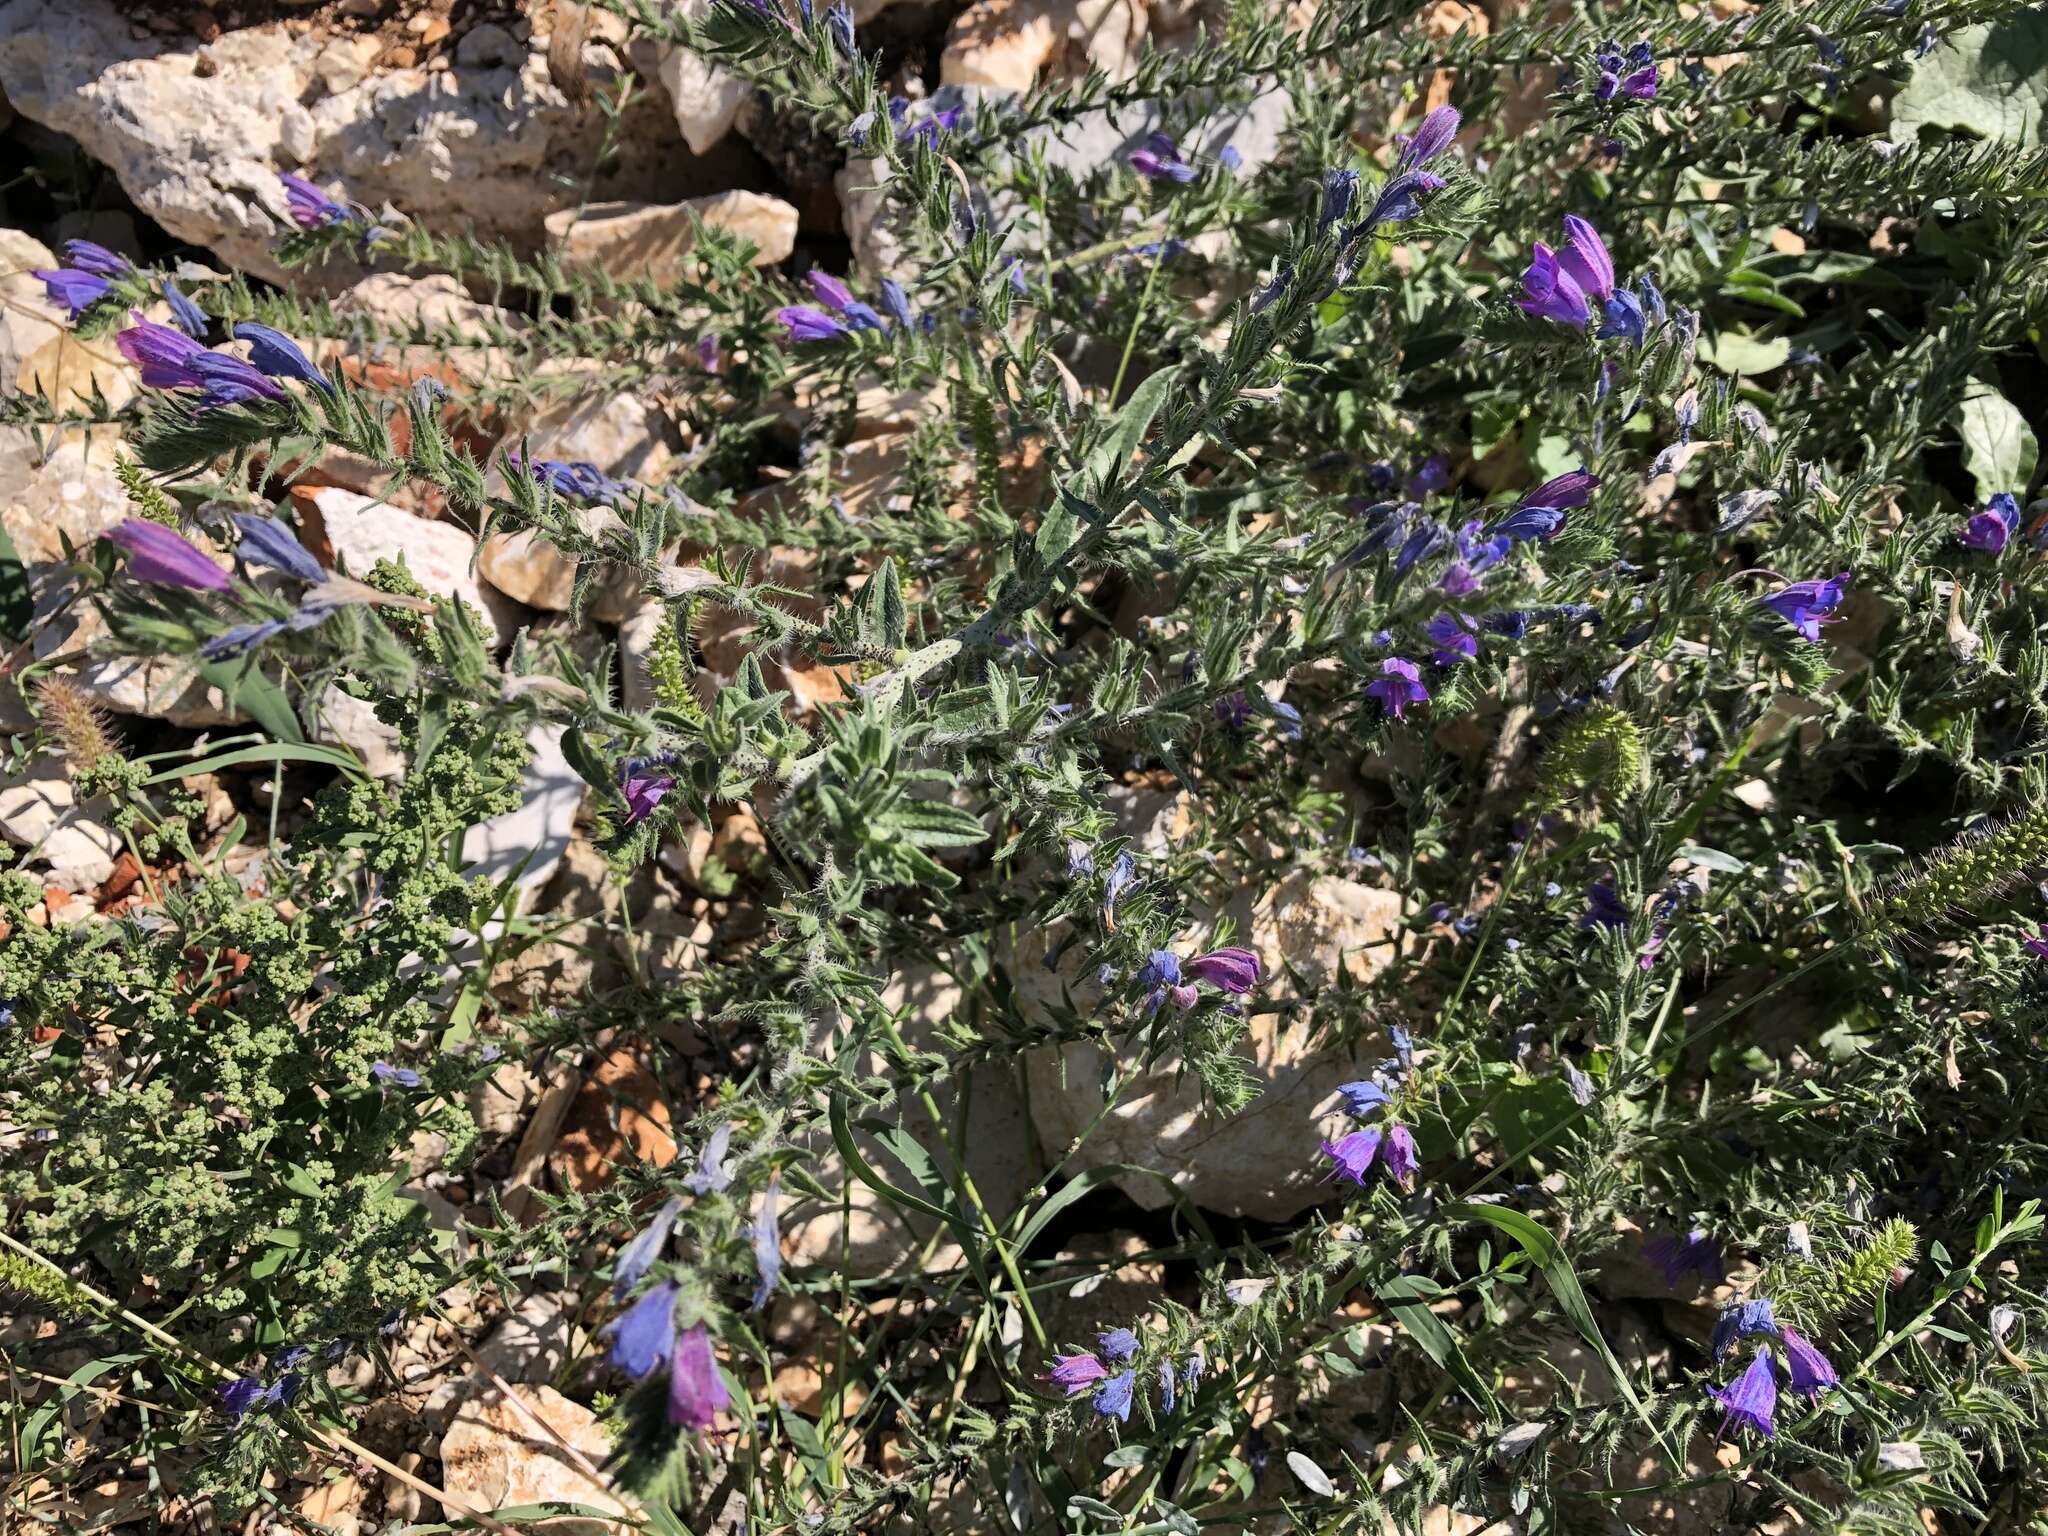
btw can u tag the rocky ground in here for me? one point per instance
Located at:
(159, 128)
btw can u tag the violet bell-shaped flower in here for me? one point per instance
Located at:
(1807, 605)
(644, 1334)
(1363, 1098)
(1431, 138)
(1454, 637)
(1352, 1154)
(1992, 529)
(185, 315)
(1234, 969)
(1112, 1399)
(164, 354)
(645, 784)
(1398, 686)
(838, 298)
(165, 558)
(713, 1174)
(696, 1389)
(805, 323)
(1076, 1372)
(310, 207)
(638, 1256)
(89, 256)
(276, 354)
(1117, 1344)
(266, 542)
(1562, 285)
(1812, 1372)
(74, 292)
(767, 1238)
(1398, 1157)
(1749, 1402)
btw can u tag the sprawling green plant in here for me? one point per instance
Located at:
(1575, 478)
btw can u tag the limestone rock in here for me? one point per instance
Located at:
(706, 98)
(530, 842)
(534, 1341)
(471, 338)
(623, 435)
(196, 135)
(495, 1455)
(1006, 43)
(1309, 925)
(345, 529)
(38, 810)
(618, 1116)
(650, 240)
(38, 353)
(347, 721)
(501, 1102)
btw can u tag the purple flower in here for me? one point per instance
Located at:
(645, 1332)
(1233, 710)
(1123, 874)
(840, 20)
(311, 208)
(1398, 686)
(1694, 1253)
(1744, 1320)
(645, 783)
(1990, 529)
(1605, 908)
(276, 354)
(1651, 295)
(696, 1390)
(708, 353)
(1160, 160)
(1160, 976)
(839, 299)
(1363, 1098)
(165, 356)
(1340, 189)
(1550, 293)
(638, 1256)
(1353, 1154)
(712, 1175)
(86, 256)
(165, 559)
(241, 1395)
(1400, 1161)
(1112, 1399)
(187, 316)
(1625, 317)
(1453, 636)
(240, 639)
(1232, 161)
(1750, 1401)
(1573, 488)
(75, 291)
(807, 324)
(1431, 139)
(2038, 947)
(768, 1243)
(1167, 1392)
(1585, 259)
(1073, 1373)
(227, 380)
(897, 303)
(1812, 1372)
(1234, 970)
(384, 1072)
(1531, 522)
(268, 543)
(1118, 1344)
(1401, 198)
(1806, 605)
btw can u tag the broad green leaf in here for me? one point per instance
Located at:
(1739, 353)
(1990, 80)
(1132, 423)
(1999, 448)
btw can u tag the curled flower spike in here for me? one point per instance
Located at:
(166, 559)
(1398, 686)
(644, 1334)
(696, 1389)
(1076, 1372)
(1806, 605)
(1751, 1400)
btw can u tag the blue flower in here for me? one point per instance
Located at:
(384, 1072)
(1751, 1400)
(1340, 188)
(1123, 874)
(1991, 529)
(767, 1237)
(1624, 311)
(1117, 1345)
(713, 1174)
(1454, 637)
(805, 323)
(638, 1256)
(268, 543)
(1744, 1320)
(1812, 1372)
(241, 1395)
(643, 1335)
(896, 302)
(1604, 908)
(239, 640)
(278, 355)
(187, 316)
(1167, 1396)
(1529, 523)
(1363, 1098)
(75, 291)
(310, 207)
(1806, 605)
(1113, 1398)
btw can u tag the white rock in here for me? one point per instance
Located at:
(706, 98)
(197, 135)
(38, 353)
(361, 531)
(650, 240)
(495, 1455)
(534, 1341)
(532, 839)
(1261, 1162)
(636, 639)
(624, 436)
(38, 810)
(1006, 43)
(347, 721)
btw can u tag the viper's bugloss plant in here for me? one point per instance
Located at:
(1442, 695)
